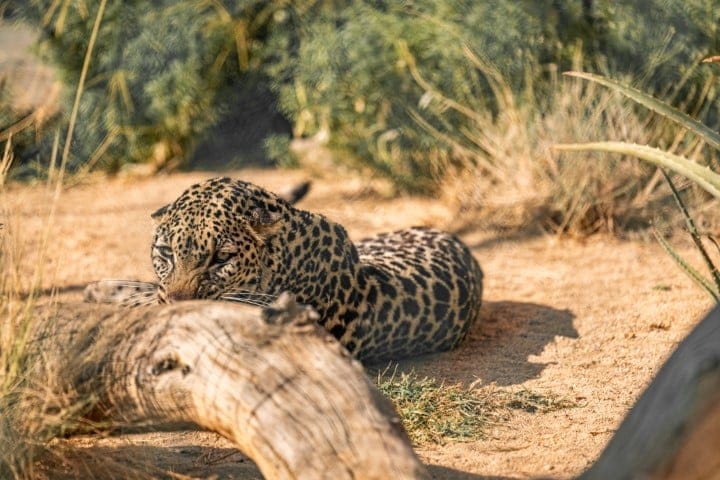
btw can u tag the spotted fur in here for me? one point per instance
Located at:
(399, 294)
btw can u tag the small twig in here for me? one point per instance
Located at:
(17, 127)
(79, 90)
(6, 160)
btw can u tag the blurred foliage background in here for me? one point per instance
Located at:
(434, 95)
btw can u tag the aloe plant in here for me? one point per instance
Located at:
(703, 176)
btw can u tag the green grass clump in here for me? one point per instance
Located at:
(433, 412)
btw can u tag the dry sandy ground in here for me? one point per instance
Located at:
(588, 320)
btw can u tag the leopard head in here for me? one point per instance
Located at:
(212, 241)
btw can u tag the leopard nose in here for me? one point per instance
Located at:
(182, 286)
(180, 295)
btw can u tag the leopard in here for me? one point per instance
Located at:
(400, 294)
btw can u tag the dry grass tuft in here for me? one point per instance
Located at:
(33, 412)
(433, 412)
(507, 161)
(36, 412)
(21, 429)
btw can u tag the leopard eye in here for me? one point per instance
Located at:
(164, 251)
(162, 260)
(221, 258)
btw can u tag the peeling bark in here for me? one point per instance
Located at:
(276, 384)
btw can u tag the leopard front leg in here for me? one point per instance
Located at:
(127, 293)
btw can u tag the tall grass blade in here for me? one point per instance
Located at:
(80, 88)
(6, 161)
(26, 424)
(703, 176)
(692, 229)
(687, 268)
(648, 101)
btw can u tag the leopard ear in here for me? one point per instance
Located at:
(264, 222)
(159, 213)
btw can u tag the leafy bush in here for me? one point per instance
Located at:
(351, 79)
(163, 73)
(355, 78)
(372, 79)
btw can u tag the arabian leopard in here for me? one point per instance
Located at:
(395, 295)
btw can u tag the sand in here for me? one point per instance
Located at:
(590, 320)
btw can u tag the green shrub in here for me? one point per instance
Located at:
(168, 74)
(351, 79)
(164, 73)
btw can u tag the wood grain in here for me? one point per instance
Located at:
(277, 385)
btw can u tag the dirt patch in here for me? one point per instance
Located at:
(591, 320)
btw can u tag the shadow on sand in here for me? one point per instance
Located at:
(444, 473)
(499, 347)
(141, 460)
(181, 461)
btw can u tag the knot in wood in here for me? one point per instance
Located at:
(285, 310)
(168, 364)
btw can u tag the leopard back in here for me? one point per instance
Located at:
(401, 294)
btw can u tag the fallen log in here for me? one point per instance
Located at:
(673, 431)
(276, 384)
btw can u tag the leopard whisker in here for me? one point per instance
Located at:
(246, 302)
(131, 283)
(253, 294)
(237, 298)
(249, 298)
